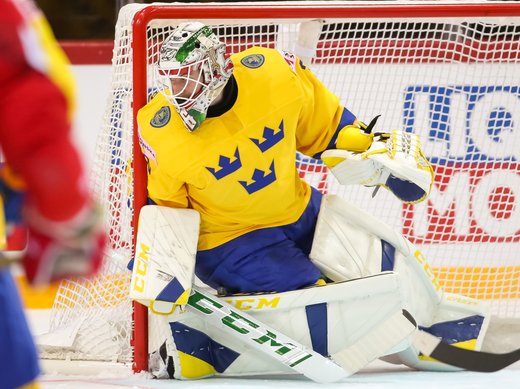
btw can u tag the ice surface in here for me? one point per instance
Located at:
(377, 375)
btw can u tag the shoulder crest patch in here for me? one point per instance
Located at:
(161, 117)
(253, 61)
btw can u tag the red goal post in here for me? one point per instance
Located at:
(448, 71)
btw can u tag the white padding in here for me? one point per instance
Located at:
(347, 244)
(342, 233)
(164, 263)
(342, 250)
(351, 311)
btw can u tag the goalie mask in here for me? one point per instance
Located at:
(192, 70)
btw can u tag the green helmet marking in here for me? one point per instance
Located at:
(190, 44)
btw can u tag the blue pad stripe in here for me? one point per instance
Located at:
(199, 345)
(455, 331)
(171, 292)
(387, 256)
(317, 322)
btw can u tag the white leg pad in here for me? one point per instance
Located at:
(342, 326)
(347, 244)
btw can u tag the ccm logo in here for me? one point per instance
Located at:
(141, 268)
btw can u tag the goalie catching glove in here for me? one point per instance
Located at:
(393, 160)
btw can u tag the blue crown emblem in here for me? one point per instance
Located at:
(270, 138)
(260, 179)
(226, 165)
(161, 117)
(253, 61)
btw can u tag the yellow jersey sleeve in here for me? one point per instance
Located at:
(320, 114)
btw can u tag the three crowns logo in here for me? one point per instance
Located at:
(260, 178)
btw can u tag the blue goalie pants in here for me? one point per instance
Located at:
(272, 259)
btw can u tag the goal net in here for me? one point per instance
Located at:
(447, 71)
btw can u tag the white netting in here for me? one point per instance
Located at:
(453, 81)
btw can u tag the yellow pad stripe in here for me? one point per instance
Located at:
(468, 345)
(192, 367)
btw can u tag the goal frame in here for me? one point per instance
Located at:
(270, 10)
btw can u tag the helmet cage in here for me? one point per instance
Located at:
(192, 70)
(186, 84)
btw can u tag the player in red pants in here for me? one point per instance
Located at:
(42, 177)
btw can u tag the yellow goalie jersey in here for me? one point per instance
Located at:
(238, 169)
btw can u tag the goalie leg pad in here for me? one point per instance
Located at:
(502, 335)
(460, 321)
(329, 319)
(198, 354)
(350, 243)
